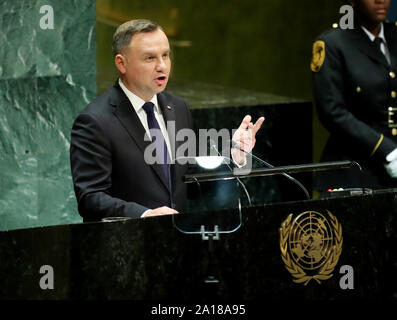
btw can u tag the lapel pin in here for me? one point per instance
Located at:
(169, 107)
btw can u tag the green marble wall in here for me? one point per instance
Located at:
(46, 77)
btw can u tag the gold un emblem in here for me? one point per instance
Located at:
(311, 245)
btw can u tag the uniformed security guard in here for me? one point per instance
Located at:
(355, 90)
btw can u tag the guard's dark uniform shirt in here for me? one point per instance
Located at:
(355, 92)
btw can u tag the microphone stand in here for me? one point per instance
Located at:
(259, 172)
(231, 170)
(299, 184)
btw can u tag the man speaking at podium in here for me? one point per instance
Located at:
(110, 175)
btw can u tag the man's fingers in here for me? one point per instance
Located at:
(167, 210)
(161, 211)
(245, 123)
(245, 134)
(258, 125)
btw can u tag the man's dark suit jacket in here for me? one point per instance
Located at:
(110, 175)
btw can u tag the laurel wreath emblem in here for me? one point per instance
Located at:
(325, 270)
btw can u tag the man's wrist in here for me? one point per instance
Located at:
(239, 158)
(145, 213)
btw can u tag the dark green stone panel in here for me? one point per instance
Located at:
(26, 50)
(46, 78)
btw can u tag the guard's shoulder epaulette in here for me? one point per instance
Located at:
(330, 33)
(393, 23)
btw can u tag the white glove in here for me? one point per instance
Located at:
(391, 168)
(392, 156)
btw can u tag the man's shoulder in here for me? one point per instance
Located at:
(168, 96)
(102, 104)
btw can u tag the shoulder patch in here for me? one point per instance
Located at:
(318, 55)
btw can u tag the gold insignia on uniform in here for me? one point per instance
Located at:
(379, 141)
(318, 55)
(311, 245)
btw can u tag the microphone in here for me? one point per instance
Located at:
(213, 146)
(236, 146)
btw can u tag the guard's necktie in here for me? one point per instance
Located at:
(158, 140)
(378, 42)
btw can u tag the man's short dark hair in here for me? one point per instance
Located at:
(122, 36)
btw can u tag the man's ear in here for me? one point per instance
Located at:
(121, 63)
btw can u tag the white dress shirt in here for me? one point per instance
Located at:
(137, 104)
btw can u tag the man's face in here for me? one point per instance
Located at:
(373, 11)
(147, 64)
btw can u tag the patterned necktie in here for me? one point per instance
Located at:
(161, 150)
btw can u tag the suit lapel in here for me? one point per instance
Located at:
(391, 38)
(365, 45)
(168, 111)
(128, 118)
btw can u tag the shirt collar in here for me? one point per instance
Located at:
(137, 102)
(380, 35)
